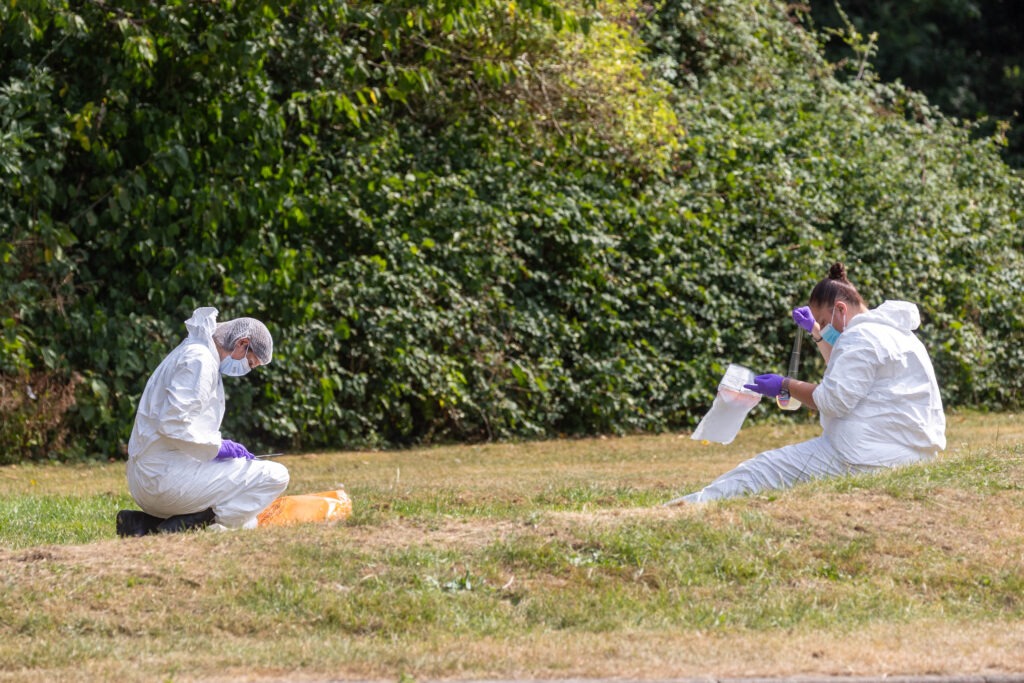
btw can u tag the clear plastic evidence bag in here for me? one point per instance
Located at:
(722, 423)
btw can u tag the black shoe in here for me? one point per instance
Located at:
(193, 520)
(136, 523)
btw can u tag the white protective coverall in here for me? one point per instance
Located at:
(879, 405)
(171, 466)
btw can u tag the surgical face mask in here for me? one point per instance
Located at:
(235, 367)
(830, 334)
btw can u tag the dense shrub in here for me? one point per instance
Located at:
(470, 220)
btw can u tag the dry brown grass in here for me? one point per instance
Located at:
(181, 607)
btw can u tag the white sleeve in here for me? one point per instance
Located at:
(189, 400)
(849, 378)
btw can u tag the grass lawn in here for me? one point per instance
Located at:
(534, 560)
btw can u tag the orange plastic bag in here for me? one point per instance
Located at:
(327, 506)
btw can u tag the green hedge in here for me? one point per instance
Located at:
(467, 220)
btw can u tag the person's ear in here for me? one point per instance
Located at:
(844, 311)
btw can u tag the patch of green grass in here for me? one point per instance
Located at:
(40, 519)
(595, 495)
(980, 471)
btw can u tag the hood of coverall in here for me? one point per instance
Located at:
(903, 315)
(202, 323)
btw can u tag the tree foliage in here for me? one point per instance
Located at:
(964, 55)
(466, 219)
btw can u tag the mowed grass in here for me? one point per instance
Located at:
(534, 560)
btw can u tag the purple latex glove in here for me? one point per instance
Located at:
(233, 449)
(767, 385)
(803, 317)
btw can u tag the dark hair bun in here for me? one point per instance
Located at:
(837, 272)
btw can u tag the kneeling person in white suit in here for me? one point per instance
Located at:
(879, 401)
(181, 472)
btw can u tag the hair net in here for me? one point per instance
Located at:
(260, 342)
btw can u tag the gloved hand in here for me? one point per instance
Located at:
(232, 449)
(767, 385)
(803, 318)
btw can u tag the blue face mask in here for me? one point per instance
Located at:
(235, 367)
(831, 334)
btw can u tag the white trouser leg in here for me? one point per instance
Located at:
(776, 469)
(174, 484)
(264, 481)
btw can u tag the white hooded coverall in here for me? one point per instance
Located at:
(176, 436)
(879, 405)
